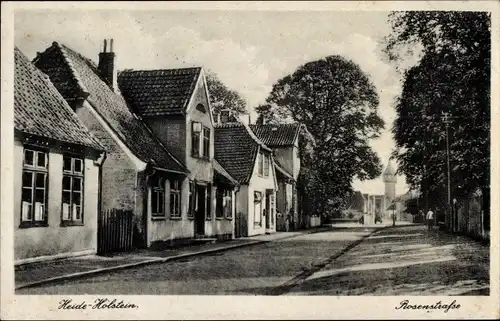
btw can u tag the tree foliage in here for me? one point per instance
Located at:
(221, 97)
(452, 76)
(338, 104)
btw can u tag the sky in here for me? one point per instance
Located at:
(249, 50)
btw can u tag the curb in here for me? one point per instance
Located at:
(301, 277)
(57, 279)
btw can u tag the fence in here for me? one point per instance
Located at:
(115, 231)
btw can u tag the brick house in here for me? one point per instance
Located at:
(140, 174)
(283, 139)
(57, 166)
(174, 103)
(251, 163)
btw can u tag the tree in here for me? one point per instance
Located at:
(452, 76)
(338, 104)
(221, 97)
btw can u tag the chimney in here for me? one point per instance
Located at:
(107, 65)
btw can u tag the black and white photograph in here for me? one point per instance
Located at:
(238, 150)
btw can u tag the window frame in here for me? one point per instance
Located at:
(72, 174)
(219, 202)
(195, 141)
(255, 223)
(175, 197)
(35, 169)
(229, 193)
(158, 188)
(205, 143)
(260, 164)
(266, 162)
(191, 200)
(208, 202)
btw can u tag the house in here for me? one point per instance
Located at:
(251, 163)
(175, 104)
(283, 139)
(140, 175)
(57, 166)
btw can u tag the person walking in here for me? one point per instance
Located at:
(430, 219)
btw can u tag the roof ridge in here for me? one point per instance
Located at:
(73, 71)
(161, 69)
(192, 87)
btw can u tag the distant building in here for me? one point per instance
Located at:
(251, 163)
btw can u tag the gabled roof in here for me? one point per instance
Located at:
(76, 76)
(277, 135)
(158, 92)
(236, 149)
(39, 109)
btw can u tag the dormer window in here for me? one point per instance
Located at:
(224, 116)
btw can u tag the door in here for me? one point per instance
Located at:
(199, 219)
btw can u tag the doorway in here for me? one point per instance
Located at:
(199, 218)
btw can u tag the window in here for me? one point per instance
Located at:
(257, 202)
(195, 139)
(72, 190)
(206, 142)
(266, 165)
(224, 206)
(192, 199)
(219, 203)
(260, 164)
(201, 108)
(175, 199)
(228, 204)
(208, 202)
(158, 198)
(34, 188)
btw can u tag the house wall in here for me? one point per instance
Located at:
(171, 131)
(221, 227)
(164, 229)
(258, 183)
(121, 181)
(200, 169)
(54, 239)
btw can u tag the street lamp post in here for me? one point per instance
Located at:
(448, 216)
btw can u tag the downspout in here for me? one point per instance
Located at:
(99, 162)
(148, 171)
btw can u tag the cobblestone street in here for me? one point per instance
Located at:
(405, 261)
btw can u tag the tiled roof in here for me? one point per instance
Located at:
(281, 135)
(39, 109)
(158, 92)
(222, 175)
(236, 149)
(74, 75)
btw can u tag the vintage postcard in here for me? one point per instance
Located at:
(250, 160)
